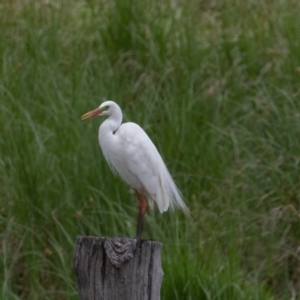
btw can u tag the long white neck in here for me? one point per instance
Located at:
(109, 126)
(113, 122)
(107, 138)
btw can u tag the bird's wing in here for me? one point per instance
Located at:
(142, 167)
(141, 158)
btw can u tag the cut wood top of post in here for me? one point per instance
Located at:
(117, 249)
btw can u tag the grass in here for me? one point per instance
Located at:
(215, 85)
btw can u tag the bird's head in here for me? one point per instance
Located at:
(105, 109)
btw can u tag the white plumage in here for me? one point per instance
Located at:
(130, 153)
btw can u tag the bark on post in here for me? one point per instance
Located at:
(115, 268)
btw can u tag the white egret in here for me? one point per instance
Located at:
(130, 153)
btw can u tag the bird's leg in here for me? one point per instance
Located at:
(142, 206)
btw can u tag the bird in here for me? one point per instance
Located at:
(131, 154)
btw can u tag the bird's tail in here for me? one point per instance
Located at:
(171, 194)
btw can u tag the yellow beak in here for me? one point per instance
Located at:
(91, 113)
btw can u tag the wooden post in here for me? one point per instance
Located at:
(116, 269)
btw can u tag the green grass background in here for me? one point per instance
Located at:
(216, 86)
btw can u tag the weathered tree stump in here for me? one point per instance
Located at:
(115, 268)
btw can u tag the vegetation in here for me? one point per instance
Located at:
(216, 86)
